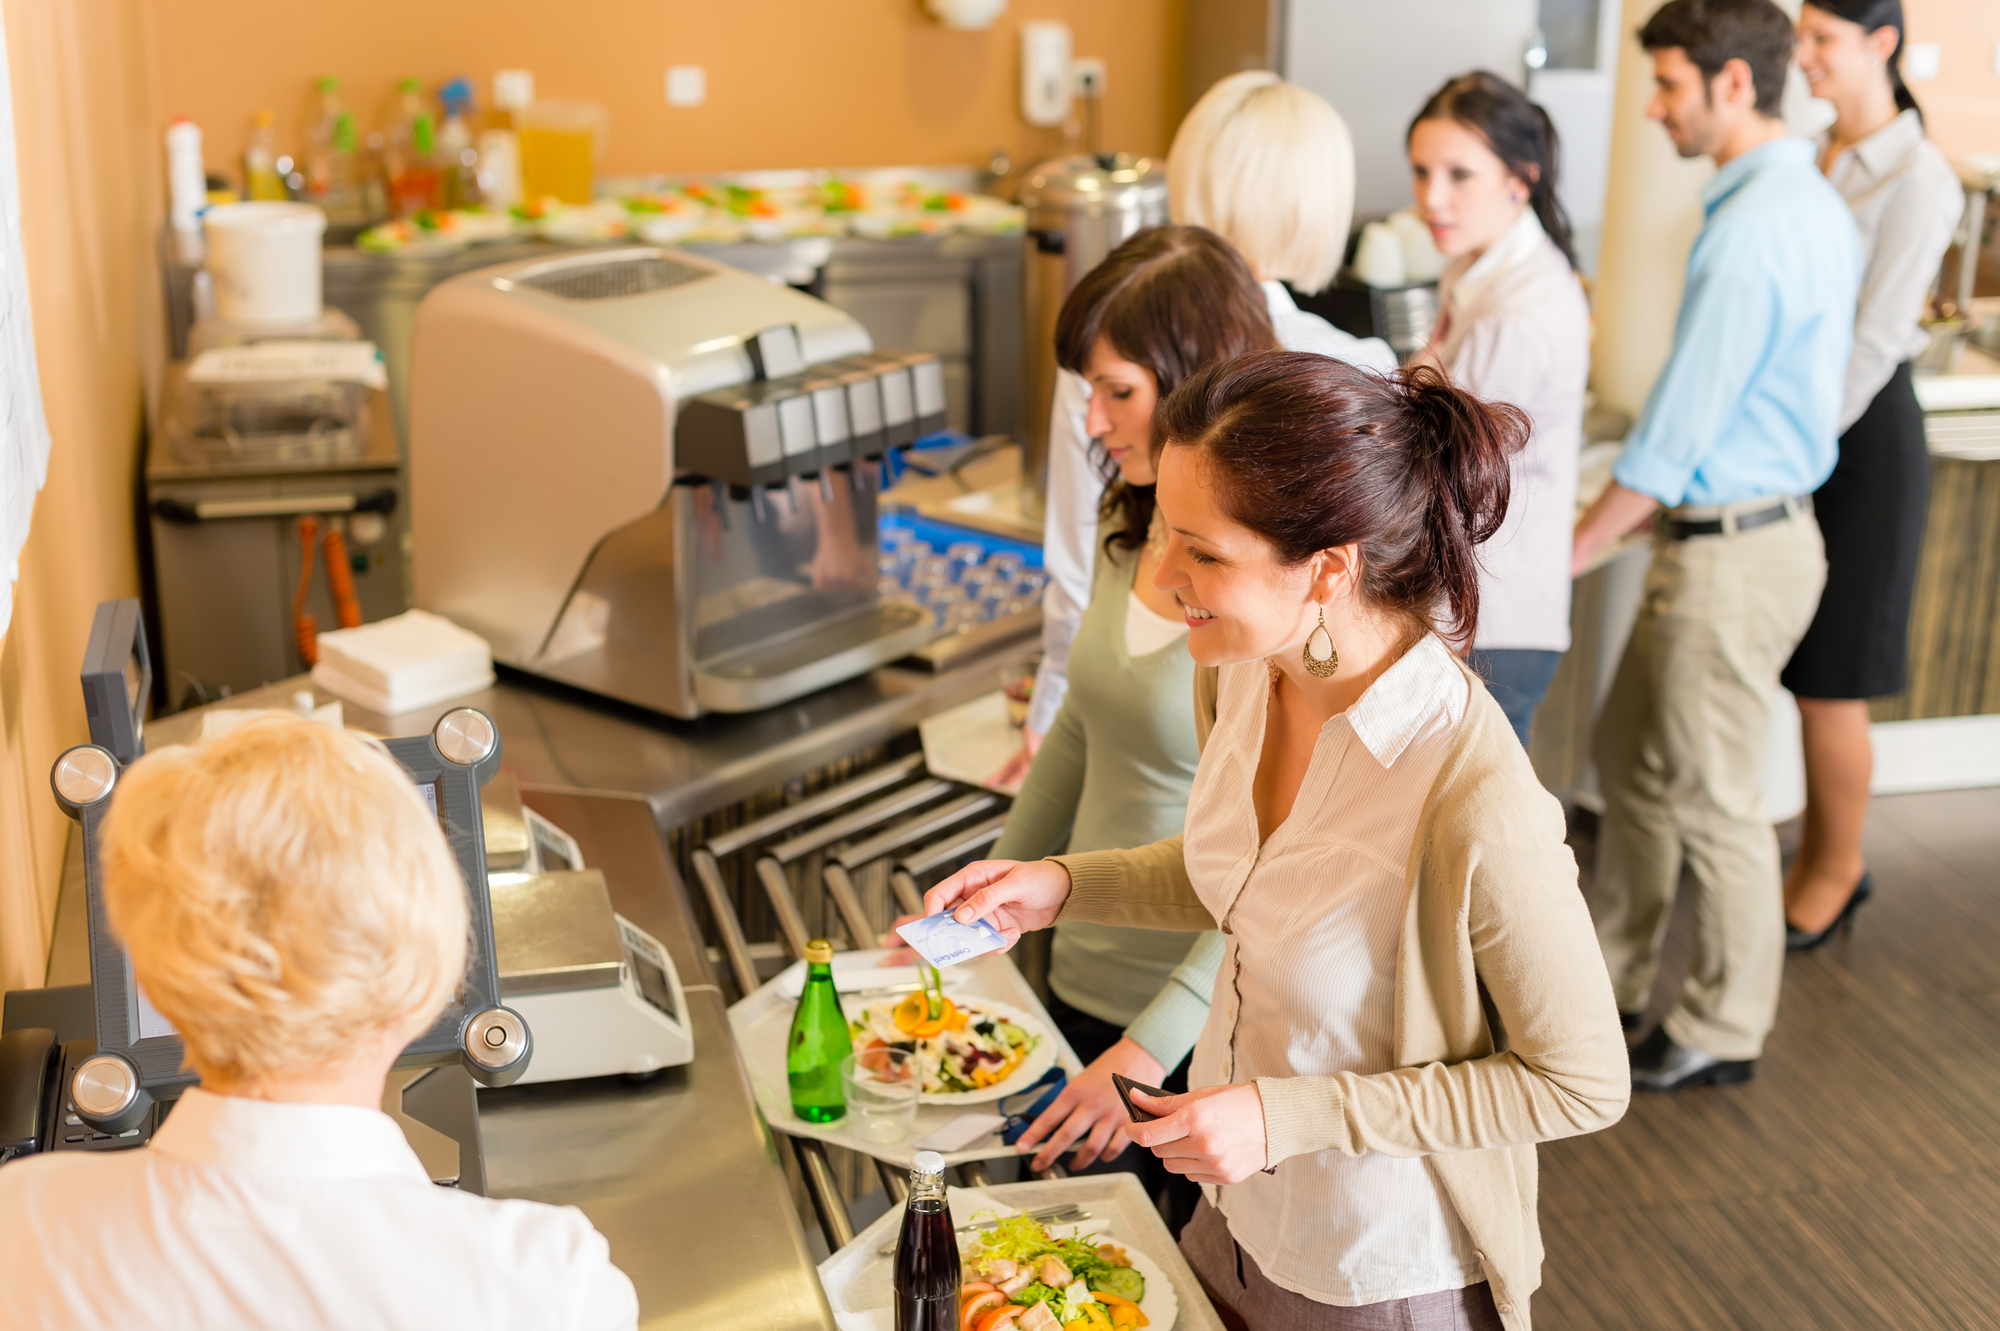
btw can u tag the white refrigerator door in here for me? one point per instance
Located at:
(1378, 62)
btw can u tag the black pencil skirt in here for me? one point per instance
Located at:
(1871, 511)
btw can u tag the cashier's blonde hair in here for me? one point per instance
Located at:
(1269, 167)
(285, 893)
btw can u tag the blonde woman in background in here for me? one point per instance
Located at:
(291, 907)
(1269, 167)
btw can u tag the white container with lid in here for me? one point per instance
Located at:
(264, 260)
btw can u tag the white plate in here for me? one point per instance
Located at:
(1039, 1060)
(1161, 1306)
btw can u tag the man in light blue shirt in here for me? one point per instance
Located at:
(1738, 432)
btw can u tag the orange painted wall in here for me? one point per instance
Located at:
(790, 82)
(89, 210)
(1962, 105)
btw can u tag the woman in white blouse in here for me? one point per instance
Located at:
(1411, 994)
(1269, 167)
(1907, 201)
(1513, 326)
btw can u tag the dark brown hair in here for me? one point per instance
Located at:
(1873, 15)
(1517, 131)
(1715, 32)
(1311, 453)
(1173, 299)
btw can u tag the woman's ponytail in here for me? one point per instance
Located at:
(1312, 453)
(1462, 447)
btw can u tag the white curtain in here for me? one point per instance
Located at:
(24, 433)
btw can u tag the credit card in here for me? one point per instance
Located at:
(943, 941)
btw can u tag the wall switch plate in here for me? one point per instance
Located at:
(1087, 76)
(687, 85)
(1045, 72)
(1920, 62)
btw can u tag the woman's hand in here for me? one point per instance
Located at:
(1089, 1110)
(1011, 895)
(1015, 770)
(1213, 1135)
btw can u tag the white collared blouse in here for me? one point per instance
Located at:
(1907, 202)
(253, 1214)
(1513, 326)
(1311, 920)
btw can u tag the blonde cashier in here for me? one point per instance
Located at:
(290, 905)
(1368, 835)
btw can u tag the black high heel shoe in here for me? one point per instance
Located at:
(1802, 940)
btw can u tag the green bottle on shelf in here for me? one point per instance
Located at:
(818, 1042)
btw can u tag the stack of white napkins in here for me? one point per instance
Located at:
(397, 665)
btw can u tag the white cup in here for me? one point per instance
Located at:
(264, 259)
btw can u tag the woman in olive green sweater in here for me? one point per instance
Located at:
(1411, 997)
(1114, 769)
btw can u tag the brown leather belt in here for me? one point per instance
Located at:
(1679, 529)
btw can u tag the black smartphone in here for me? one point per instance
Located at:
(1126, 1086)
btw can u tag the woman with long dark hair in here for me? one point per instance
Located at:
(1411, 994)
(1116, 764)
(1513, 326)
(1907, 201)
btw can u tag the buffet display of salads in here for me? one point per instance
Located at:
(710, 212)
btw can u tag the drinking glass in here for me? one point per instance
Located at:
(965, 554)
(882, 1086)
(963, 617)
(1017, 682)
(1006, 565)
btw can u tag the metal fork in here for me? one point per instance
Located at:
(1061, 1215)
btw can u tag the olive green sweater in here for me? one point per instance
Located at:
(1114, 771)
(1506, 1030)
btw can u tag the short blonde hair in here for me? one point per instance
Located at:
(1270, 167)
(284, 891)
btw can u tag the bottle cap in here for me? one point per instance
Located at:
(819, 952)
(928, 1162)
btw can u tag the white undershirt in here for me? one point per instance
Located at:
(1147, 630)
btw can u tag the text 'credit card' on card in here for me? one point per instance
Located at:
(943, 941)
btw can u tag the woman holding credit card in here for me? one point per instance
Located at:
(1115, 767)
(1411, 994)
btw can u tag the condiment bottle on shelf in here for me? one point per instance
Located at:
(926, 1276)
(409, 161)
(819, 1040)
(458, 161)
(261, 178)
(332, 166)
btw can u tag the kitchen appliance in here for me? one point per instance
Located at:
(230, 475)
(600, 993)
(654, 477)
(1080, 208)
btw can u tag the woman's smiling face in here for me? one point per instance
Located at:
(1123, 395)
(1241, 603)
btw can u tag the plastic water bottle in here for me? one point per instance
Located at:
(926, 1275)
(819, 1040)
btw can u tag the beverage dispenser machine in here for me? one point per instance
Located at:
(652, 476)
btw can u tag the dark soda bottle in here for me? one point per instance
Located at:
(927, 1253)
(819, 1040)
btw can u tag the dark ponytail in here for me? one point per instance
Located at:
(1311, 453)
(1873, 15)
(1518, 131)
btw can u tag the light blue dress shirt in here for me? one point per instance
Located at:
(1749, 401)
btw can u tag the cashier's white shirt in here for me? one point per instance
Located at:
(245, 1213)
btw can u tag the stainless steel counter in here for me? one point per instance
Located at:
(554, 737)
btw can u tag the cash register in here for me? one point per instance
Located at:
(110, 1091)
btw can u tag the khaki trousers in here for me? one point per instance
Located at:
(1680, 749)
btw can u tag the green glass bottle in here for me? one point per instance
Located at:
(818, 1042)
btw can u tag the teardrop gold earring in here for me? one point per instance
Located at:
(1321, 666)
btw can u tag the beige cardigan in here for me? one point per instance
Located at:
(1506, 1030)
